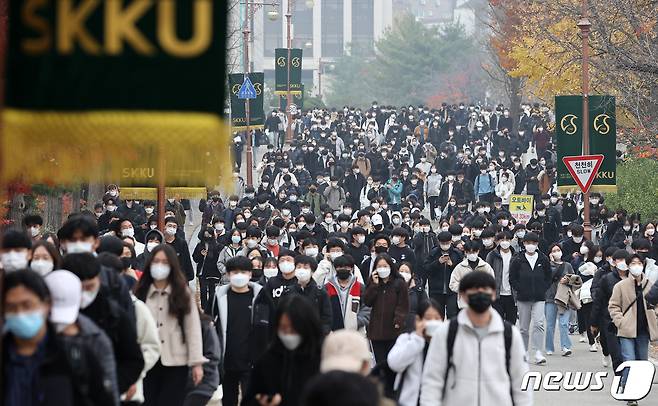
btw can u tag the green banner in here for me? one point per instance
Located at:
(95, 88)
(602, 139)
(238, 108)
(297, 100)
(281, 70)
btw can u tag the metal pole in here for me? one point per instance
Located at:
(245, 60)
(161, 191)
(585, 25)
(288, 94)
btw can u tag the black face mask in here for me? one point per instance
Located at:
(343, 274)
(479, 302)
(126, 262)
(380, 250)
(256, 274)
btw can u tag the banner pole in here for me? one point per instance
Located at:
(245, 61)
(585, 26)
(161, 190)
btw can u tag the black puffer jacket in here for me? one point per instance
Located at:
(438, 274)
(530, 284)
(600, 316)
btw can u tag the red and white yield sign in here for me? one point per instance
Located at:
(583, 169)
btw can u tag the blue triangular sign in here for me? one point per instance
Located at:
(247, 90)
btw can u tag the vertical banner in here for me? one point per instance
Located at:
(281, 70)
(97, 90)
(602, 139)
(297, 100)
(238, 112)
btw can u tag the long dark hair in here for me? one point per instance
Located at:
(305, 320)
(179, 299)
(52, 251)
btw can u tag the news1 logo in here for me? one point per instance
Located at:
(639, 377)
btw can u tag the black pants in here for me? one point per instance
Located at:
(207, 291)
(434, 203)
(381, 349)
(196, 400)
(447, 304)
(603, 339)
(612, 342)
(583, 321)
(506, 307)
(234, 380)
(165, 386)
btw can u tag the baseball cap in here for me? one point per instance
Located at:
(344, 350)
(377, 220)
(66, 291)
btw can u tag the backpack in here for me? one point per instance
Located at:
(452, 334)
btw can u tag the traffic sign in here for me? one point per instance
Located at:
(583, 169)
(247, 90)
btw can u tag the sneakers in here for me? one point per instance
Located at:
(631, 403)
(539, 358)
(604, 360)
(583, 338)
(566, 352)
(549, 353)
(593, 348)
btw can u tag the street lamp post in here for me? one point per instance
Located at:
(250, 9)
(585, 27)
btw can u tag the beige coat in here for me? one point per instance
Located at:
(623, 296)
(173, 351)
(461, 270)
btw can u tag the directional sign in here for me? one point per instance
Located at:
(583, 169)
(247, 90)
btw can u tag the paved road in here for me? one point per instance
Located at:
(584, 361)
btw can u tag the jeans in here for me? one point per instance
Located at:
(532, 311)
(633, 349)
(551, 312)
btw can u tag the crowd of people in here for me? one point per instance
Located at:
(375, 262)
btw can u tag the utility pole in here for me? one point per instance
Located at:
(585, 27)
(288, 94)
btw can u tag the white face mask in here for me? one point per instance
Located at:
(472, 257)
(622, 266)
(636, 269)
(303, 275)
(520, 235)
(128, 232)
(383, 272)
(170, 231)
(334, 255)
(651, 231)
(531, 248)
(406, 276)
(270, 272)
(431, 326)
(34, 231)
(488, 242)
(584, 250)
(251, 243)
(456, 238)
(88, 298)
(150, 246)
(290, 341)
(395, 240)
(557, 256)
(42, 266)
(311, 251)
(13, 261)
(160, 272)
(239, 280)
(79, 247)
(361, 239)
(598, 259)
(505, 244)
(287, 267)
(577, 240)
(149, 210)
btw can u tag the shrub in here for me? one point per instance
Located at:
(637, 188)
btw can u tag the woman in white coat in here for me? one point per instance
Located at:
(407, 356)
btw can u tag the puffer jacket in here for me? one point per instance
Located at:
(390, 305)
(461, 270)
(599, 316)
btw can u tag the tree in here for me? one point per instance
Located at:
(624, 42)
(346, 84)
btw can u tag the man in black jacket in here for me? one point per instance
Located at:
(180, 246)
(112, 319)
(530, 276)
(500, 260)
(305, 266)
(437, 270)
(600, 317)
(244, 316)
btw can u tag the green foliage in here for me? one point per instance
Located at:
(637, 188)
(410, 64)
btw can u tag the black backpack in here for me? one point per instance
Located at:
(452, 334)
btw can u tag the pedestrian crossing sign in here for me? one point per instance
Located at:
(247, 90)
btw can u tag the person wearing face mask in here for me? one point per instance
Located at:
(128, 230)
(235, 247)
(500, 259)
(305, 267)
(571, 245)
(152, 239)
(472, 263)
(179, 245)
(474, 342)
(634, 319)
(433, 191)
(417, 293)
(38, 368)
(15, 250)
(437, 271)
(244, 314)
(407, 356)
(346, 297)
(205, 255)
(34, 226)
(387, 295)
(44, 258)
(284, 283)
(97, 305)
(530, 277)
(292, 359)
(642, 247)
(400, 250)
(164, 290)
(353, 183)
